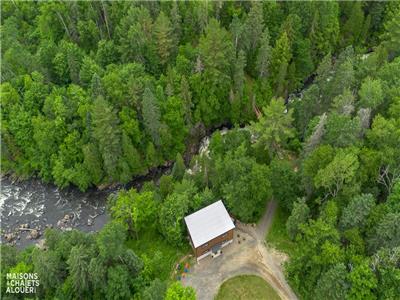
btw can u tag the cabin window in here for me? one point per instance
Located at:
(205, 245)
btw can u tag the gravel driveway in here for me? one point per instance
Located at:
(247, 254)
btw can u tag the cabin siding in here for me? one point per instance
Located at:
(227, 236)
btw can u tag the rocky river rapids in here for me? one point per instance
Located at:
(28, 207)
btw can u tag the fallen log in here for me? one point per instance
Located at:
(26, 229)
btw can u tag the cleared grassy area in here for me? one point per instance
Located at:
(246, 287)
(277, 236)
(149, 243)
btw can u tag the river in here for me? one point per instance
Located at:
(32, 204)
(43, 205)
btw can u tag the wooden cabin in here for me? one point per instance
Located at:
(210, 229)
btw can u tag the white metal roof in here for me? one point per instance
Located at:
(208, 223)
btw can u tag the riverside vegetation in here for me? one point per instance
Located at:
(95, 93)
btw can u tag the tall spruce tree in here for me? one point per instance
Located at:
(108, 135)
(186, 96)
(281, 56)
(151, 115)
(238, 75)
(253, 29)
(164, 37)
(264, 55)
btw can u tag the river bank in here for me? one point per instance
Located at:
(30, 206)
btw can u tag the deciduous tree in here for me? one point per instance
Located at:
(177, 291)
(299, 215)
(137, 210)
(339, 172)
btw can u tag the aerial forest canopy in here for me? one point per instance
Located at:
(96, 93)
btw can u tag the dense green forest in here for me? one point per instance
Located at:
(95, 93)
(98, 92)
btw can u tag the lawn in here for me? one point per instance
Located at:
(246, 287)
(151, 241)
(277, 236)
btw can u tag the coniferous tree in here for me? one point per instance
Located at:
(78, 265)
(151, 115)
(353, 28)
(93, 162)
(107, 134)
(254, 26)
(96, 86)
(186, 96)
(164, 37)
(236, 29)
(176, 22)
(264, 55)
(391, 36)
(212, 84)
(133, 33)
(131, 156)
(281, 56)
(179, 168)
(252, 32)
(238, 76)
(274, 127)
(324, 31)
(371, 93)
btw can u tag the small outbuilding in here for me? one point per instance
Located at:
(210, 229)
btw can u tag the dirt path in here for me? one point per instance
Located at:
(247, 254)
(265, 223)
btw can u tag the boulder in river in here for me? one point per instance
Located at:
(33, 235)
(65, 220)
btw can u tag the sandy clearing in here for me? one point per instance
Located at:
(248, 254)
